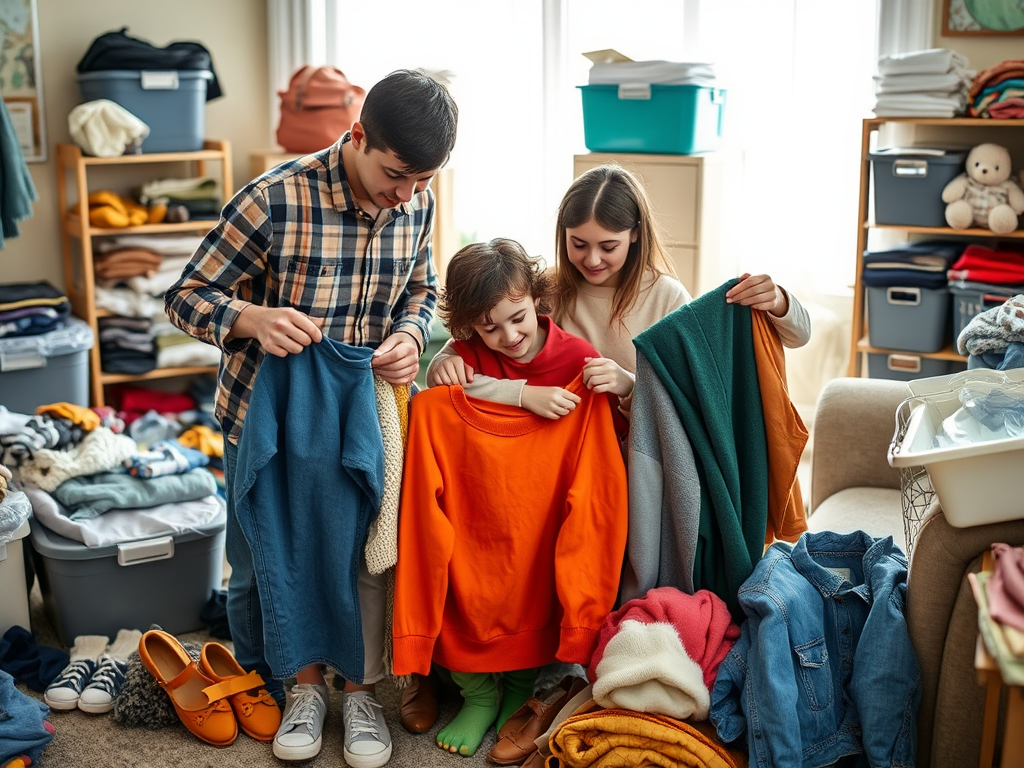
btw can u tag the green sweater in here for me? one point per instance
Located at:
(703, 353)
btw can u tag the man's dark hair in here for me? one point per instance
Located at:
(414, 116)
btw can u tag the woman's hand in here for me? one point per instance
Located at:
(602, 374)
(549, 402)
(759, 292)
(452, 370)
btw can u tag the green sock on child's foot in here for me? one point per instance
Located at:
(465, 732)
(516, 688)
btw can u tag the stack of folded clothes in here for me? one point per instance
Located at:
(199, 196)
(922, 264)
(928, 83)
(998, 92)
(126, 344)
(29, 309)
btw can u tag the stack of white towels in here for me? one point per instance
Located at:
(652, 73)
(929, 83)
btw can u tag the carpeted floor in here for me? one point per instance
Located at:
(82, 740)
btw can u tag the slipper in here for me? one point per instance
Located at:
(257, 712)
(211, 719)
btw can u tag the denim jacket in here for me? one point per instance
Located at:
(824, 666)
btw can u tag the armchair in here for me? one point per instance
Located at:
(853, 487)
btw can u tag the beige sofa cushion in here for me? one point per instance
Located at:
(876, 511)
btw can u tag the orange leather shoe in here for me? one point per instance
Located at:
(257, 712)
(210, 719)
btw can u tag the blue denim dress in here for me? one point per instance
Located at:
(308, 482)
(824, 666)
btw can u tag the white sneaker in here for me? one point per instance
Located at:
(104, 686)
(367, 738)
(64, 692)
(298, 738)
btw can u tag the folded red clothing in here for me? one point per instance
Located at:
(981, 264)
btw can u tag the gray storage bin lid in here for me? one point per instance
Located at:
(30, 351)
(940, 156)
(57, 547)
(136, 74)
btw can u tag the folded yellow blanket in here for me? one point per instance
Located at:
(622, 738)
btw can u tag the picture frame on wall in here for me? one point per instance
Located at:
(21, 82)
(982, 18)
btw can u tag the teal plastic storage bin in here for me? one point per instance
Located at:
(171, 102)
(656, 119)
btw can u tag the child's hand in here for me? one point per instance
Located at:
(451, 370)
(602, 374)
(758, 292)
(549, 402)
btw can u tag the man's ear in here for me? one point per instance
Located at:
(358, 136)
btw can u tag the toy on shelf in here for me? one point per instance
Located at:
(984, 195)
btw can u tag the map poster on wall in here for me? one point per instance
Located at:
(20, 82)
(961, 18)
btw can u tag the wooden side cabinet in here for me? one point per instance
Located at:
(684, 191)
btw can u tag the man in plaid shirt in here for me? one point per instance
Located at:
(335, 243)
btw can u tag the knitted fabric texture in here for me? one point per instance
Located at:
(661, 652)
(994, 329)
(100, 451)
(142, 702)
(382, 537)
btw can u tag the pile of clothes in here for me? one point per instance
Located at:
(30, 309)
(998, 92)
(132, 274)
(929, 83)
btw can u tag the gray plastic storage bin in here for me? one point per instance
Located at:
(166, 580)
(172, 103)
(905, 367)
(970, 301)
(911, 319)
(908, 184)
(49, 368)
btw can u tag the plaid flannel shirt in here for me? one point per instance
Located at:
(295, 237)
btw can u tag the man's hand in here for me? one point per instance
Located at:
(451, 370)
(397, 359)
(281, 331)
(602, 374)
(549, 402)
(759, 292)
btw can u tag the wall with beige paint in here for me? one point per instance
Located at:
(235, 33)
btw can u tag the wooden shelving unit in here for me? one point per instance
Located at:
(958, 131)
(77, 238)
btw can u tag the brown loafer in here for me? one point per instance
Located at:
(535, 760)
(517, 737)
(419, 705)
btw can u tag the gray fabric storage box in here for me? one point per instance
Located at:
(171, 102)
(49, 368)
(908, 184)
(904, 367)
(909, 319)
(165, 580)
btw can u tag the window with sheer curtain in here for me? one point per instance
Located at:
(798, 79)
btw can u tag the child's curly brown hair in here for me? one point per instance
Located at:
(482, 274)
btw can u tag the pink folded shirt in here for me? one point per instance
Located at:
(1006, 586)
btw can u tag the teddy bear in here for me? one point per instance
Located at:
(984, 195)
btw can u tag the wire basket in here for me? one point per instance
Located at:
(916, 490)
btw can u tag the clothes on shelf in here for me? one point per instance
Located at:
(998, 92)
(927, 83)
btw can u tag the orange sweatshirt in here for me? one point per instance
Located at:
(512, 530)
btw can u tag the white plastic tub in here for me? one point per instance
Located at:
(975, 484)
